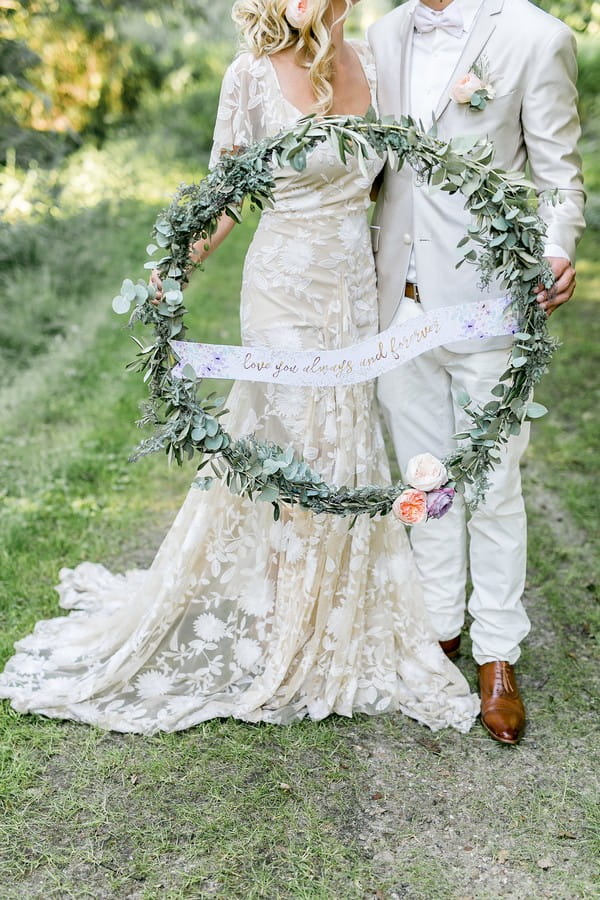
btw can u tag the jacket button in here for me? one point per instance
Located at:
(407, 238)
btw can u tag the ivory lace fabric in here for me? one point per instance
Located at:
(239, 615)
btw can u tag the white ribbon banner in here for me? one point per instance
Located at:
(360, 362)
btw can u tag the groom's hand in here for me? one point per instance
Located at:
(563, 287)
(158, 285)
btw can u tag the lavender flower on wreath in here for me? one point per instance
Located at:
(439, 502)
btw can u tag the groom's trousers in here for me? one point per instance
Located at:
(419, 404)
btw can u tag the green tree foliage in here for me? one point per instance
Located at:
(78, 67)
(579, 14)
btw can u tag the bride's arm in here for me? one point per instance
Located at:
(236, 126)
(201, 250)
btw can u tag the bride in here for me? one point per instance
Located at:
(240, 615)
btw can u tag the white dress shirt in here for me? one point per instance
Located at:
(434, 58)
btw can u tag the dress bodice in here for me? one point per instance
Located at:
(252, 106)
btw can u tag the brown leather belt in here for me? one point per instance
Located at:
(411, 290)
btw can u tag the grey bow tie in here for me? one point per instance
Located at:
(449, 19)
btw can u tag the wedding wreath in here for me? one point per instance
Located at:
(504, 240)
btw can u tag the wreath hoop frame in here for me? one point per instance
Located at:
(505, 228)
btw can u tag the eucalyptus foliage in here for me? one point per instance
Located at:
(504, 240)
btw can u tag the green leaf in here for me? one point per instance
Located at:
(213, 443)
(464, 143)
(500, 223)
(270, 466)
(268, 493)
(233, 213)
(212, 426)
(535, 410)
(298, 161)
(121, 304)
(530, 273)
(189, 372)
(203, 482)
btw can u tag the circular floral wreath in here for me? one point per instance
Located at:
(509, 235)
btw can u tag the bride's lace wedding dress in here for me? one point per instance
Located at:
(240, 615)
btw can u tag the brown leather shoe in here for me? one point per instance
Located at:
(452, 647)
(502, 710)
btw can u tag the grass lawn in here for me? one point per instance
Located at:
(338, 809)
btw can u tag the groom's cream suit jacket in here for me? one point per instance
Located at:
(532, 121)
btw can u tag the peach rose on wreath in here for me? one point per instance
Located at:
(410, 507)
(426, 472)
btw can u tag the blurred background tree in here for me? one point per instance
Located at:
(579, 14)
(84, 73)
(76, 70)
(73, 70)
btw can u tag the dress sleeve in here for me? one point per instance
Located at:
(239, 116)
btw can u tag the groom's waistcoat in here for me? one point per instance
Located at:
(532, 121)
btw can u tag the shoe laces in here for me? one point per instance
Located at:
(503, 682)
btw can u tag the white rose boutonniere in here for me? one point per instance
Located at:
(474, 88)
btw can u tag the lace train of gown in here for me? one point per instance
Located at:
(240, 615)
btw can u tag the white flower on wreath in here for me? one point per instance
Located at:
(474, 88)
(426, 472)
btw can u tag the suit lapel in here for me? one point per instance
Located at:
(482, 29)
(405, 38)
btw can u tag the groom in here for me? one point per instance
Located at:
(525, 60)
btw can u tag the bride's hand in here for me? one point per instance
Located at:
(155, 280)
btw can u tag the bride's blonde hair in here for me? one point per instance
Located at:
(266, 30)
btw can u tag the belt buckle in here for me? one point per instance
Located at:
(414, 291)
